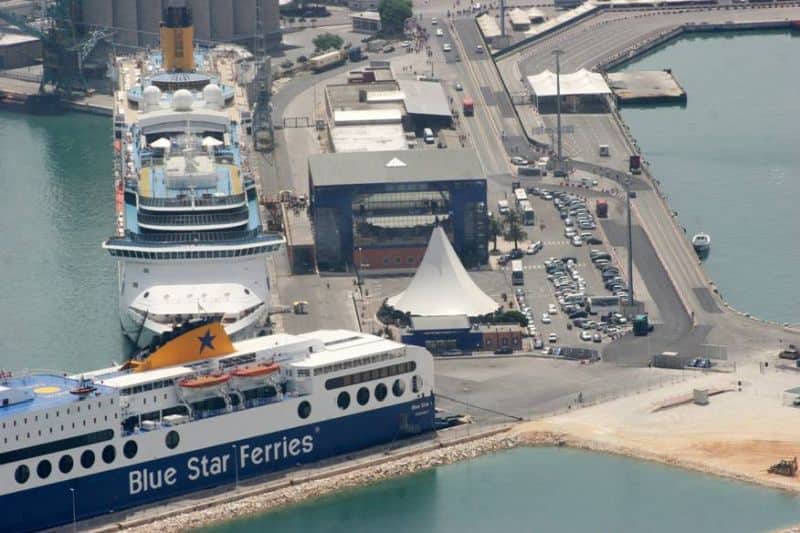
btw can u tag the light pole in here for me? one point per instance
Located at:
(558, 53)
(74, 514)
(236, 463)
(630, 238)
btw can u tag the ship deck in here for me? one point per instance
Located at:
(48, 390)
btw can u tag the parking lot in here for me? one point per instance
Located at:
(559, 278)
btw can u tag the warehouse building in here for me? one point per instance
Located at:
(18, 49)
(375, 211)
(136, 22)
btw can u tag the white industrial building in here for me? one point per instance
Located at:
(581, 92)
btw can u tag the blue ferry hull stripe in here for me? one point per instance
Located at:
(123, 488)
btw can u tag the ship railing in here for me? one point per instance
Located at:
(194, 219)
(206, 200)
(196, 237)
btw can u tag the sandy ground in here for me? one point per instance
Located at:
(739, 434)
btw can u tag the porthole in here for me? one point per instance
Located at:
(363, 396)
(172, 440)
(65, 464)
(87, 459)
(304, 409)
(343, 400)
(44, 468)
(416, 383)
(22, 474)
(399, 387)
(109, 454)
(380, 392)
(130, 448)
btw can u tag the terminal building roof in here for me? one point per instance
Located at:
(359, 168)
(581, 82)
(425, 98)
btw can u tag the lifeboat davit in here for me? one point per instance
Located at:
(256, 371)
(202, 382)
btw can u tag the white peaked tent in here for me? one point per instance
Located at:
(441, 286)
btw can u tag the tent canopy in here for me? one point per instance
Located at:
(212, 141)
(582, 82)
(161, 142)
(441, 286)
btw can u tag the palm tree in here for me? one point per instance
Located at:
(515, 232)
(496, 228)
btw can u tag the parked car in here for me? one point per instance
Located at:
(546, 318)
(594, 240)
(518, 160)
(503, 259)
(505, 350)
(597, 337)
(552, 338)
(552, 309)
(538, 344)
(516, 253)
(586, 336)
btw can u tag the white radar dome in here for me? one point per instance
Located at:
(151, 96)
(212, 94)
(182, 100)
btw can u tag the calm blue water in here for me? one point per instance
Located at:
(729, 161)
(58, 300)
(539, 489)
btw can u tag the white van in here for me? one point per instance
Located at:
(427, 136)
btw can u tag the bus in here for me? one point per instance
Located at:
(528, 217)
(517, 277)
(520, 195)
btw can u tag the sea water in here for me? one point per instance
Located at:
(539, 490)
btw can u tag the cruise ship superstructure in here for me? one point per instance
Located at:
(189, 240)
(200, 412)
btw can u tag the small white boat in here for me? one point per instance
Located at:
(701, 243)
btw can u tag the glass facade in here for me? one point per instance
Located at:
(352, 220)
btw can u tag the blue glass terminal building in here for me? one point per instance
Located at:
(374, 211)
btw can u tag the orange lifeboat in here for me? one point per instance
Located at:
(256, 371)
(201, 382)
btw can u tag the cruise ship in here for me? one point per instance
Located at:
(200, 412)
(189, 243)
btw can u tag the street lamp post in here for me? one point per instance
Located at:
(630, 238)
(74, 513)
(236, 463)
(558, 53)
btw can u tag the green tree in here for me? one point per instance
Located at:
(515, 231)
(393, 15)
(324, 41)
(495, 230)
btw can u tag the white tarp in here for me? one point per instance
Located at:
(441, 286)
(578, 83)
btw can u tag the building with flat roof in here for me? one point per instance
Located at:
(375, 211)
(366, 22)
(18, 49)
(581, 92)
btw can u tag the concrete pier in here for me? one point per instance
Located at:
(646, 87)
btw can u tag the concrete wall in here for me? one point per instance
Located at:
(126, 22)
(244, 20)
(201, 16)
(98, 13)
(148, 14)
(221, 20)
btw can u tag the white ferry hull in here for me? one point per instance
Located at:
(158, 476)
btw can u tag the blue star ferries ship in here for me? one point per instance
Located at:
(189, 243)
(200, 412)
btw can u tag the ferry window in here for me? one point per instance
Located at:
(109, 454)
(399, 387)
(304, 409)
(380, 392)
(87, 459)
(44, 468)
(343, 401)
(172, 440)
(130, 448)
(362, 396)
(147, 386)
(416, 383)
(22, 474)
(65, 464)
